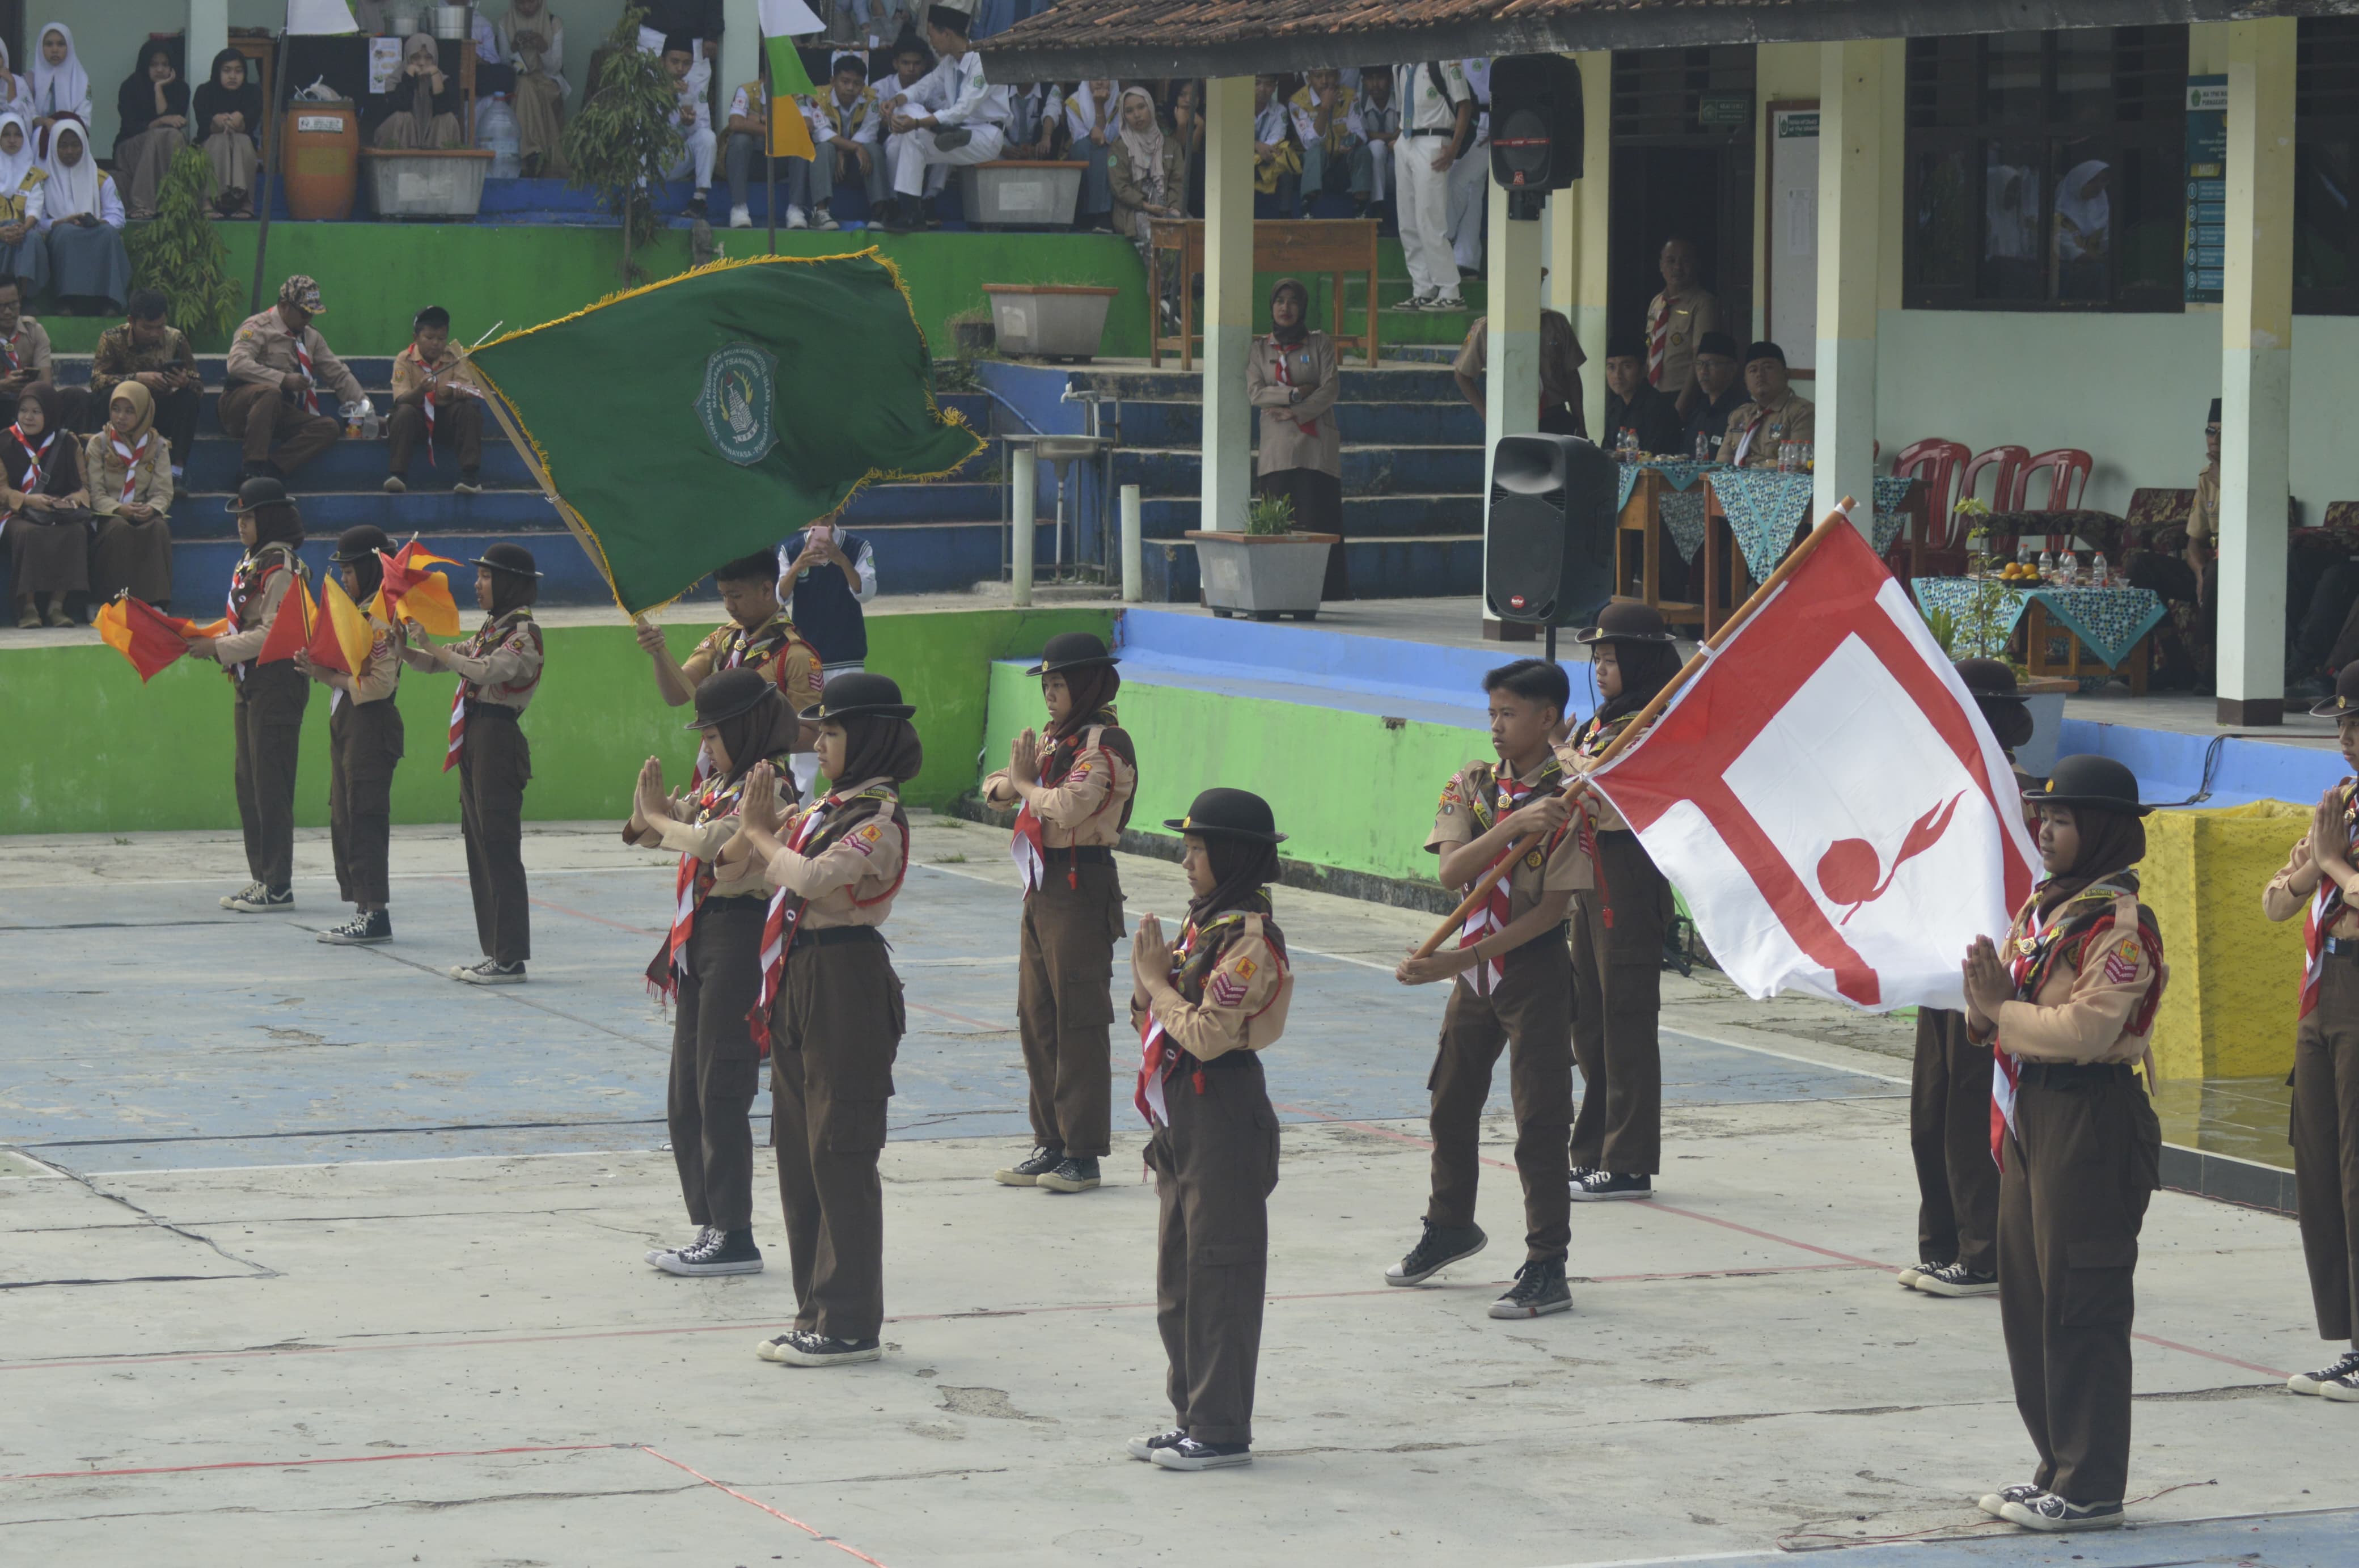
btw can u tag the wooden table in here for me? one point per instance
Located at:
(2038, 628)
(1338, 247)
(1638, 551)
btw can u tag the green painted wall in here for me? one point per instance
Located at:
(96, 752)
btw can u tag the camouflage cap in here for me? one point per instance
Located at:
(302, 292)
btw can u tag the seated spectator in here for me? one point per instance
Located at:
(41, 490)
(16, 88)
(82, 214)
(856, 127)
(954, 116)
(911, 62)
(1035, 122)
(1089, 128)
(61, 86)
(1331, 146)
(492, 73)
(695, 116)
(25, 355)
(1187, 124)
(1149, 180)
(435, 396)
(1634, 406)
(278, 363)
(130, 467)
(1561, 358)
(1277, 157)
(425, 99)
(228, 111)
(146, 351)
(23, 255)
(1774, 414)
(1294, 376)
(152, 126)
(532, 36)
(2203, 519)
(1377, 121)
(746, 133)
(1719, 394)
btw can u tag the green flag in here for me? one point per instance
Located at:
(788, 77)
(707, 416)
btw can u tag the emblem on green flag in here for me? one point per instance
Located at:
(738, 401)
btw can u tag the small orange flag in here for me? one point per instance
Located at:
(291, 629)
(414, 593)
(150, 638)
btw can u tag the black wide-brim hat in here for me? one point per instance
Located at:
(728, 695)
(363, 541)
(859, 695)
(1228, 814)
(2090, 780)
(509, 557)
(1072, 651)
(2345, 700)
(259, 492)
(1992, 682)
(1627, 620)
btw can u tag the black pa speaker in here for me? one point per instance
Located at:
(1535, 122)
(1549, 559)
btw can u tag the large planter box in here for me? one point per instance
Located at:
(2236, 978)
(1263, 575)
(1049, 321)
(441, 183)
(1018, 195)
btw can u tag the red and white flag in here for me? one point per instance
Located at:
(1828, 799)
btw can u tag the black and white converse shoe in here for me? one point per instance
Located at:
(1582, 1173)
(657, 1254)
(260, 901)
(1995, 1503)
(252, 892)
(802, 1347)
(1956, 1279)
(2340, 1381)
(489, 972)
(1605, 1186)
(1906, 1279)
(361, 930)
(1069, 1175)
(2056, 1515)
(1539, 1289)
(1144, 1447)
(1027, 1172)
(715, 1252)
(1189, 1454)
(1436, 1250)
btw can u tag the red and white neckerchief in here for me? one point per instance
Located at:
(785, 916)
(1028, 845)
(695, 879)
(458, 742)
(1744, 442)
(2028, 966)
(1285, 378)
(2325, 904)
(1659, 338)
(35, 456)
(739, 647)
(132, 457)
(1158, 1056)
(310, 383)
(1492, 914)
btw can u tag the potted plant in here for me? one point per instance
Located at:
(626, 138)
(1268, 571)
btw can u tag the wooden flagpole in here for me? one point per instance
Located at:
(498, 402)
(1579, 786)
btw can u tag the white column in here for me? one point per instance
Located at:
(1591, 200)
(2256, 372)
(1851, 137)
(741, 47)
(1511, 390)
(208, 36)
(1228, 301)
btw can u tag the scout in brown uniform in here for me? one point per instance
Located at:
(832, 1006)
(756, 636)
(1617, 931)
(1950, 1086)
(1203, 1009)
(270, 697)
(1775, 416)
(710, 963)
(1075, 792)
(2070, 1005)
(499, 668)
(1514, 988)
(2318, 882)
(364, 743)
(272, 390)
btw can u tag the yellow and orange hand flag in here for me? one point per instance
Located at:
(150, 638)
(412, 592)
(291, 631)
(341, 634)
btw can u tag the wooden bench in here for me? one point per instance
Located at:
(1338, 247)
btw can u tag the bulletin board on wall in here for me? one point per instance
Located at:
(1790, 208)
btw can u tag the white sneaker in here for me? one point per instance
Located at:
(795, 219)
(822, 217)
(1450, 301)
(251, 892)
(1420, 301)
(489, 972)
(654, 1254)
(739, 218)
(2340, 1381)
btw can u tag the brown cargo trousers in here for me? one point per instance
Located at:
(1064, 1003)
(1528, 1013)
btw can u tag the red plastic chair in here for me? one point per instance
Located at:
(2007, 460)
(2069, 469)
(1934, 463)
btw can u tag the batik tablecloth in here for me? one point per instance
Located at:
(2108, 621)
(1764, 508)
(1681, 506)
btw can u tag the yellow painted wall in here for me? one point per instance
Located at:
(2236, 978)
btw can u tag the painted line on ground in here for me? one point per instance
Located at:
(328, 876)
(300, 1464)
(819, 1536)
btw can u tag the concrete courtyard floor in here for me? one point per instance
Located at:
(312, 1256)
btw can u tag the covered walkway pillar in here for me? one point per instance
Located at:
(208, 36)
(1511, 377)
(1228, 301)
(1851, 141)
(1577, 230)
(2255, 373)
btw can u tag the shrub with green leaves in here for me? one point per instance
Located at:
(179, 255)
(1270, 515)
(627, 138)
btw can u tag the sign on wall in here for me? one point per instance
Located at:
(2207, 187)
(1791, 296)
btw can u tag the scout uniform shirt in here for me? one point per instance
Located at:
(2203, 517)
(1578, 752)
(256, 589)
(774, 648)
(117, 359)
(1308, 436)
(410, 371)
(264, 350)
(1561, 357)
(1234, 989)
(1471, 802)
(2095, 975)
(380, 671)
(2280, 902)
(853, 881)
(25, 357)
(701, 823)
(1086, 807)
(500, 664)
(1755, 433)
(1673, 325)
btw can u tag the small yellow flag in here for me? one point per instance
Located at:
(348, 624)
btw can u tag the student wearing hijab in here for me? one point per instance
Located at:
(1294, 376)
(1204, 1010)
(268, 716)
(130, 467)
(365, 746)
(24, 256)
(832, 1009)
(16, 87)
(1617, 933)
(424, 100)
(1073, 788)
(152, 125)
(1089, 122)
(47, 505)
(2068, 1011)
(61, 86)
(82, 218)
(1148, 172)
(228, 112)
(532, 39)
(710, 964)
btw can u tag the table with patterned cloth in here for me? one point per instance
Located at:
(1681, 507)
(2110, 622)
(1765, 508)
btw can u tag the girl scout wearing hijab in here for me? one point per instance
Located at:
(2068, 1009)
(365, 745)
(1294, 376)
(1204, 1010)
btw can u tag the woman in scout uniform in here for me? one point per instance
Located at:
(1950, 1086)
(1075, 792)
(1203, 1009)
(364, 743)
(757, 636)
(270, 697)
(2069, 1008)
(832, 1006)
(1294, 376)
(2318, 880)
(499, 668)
(710, 963)
(1617, 933)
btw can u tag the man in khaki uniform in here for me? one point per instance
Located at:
(278, 364)
(25, 357)
(1560, 361)
(1777, 414)
(152, 352)
(759, 636)
(1677, 320)
(2203, 517)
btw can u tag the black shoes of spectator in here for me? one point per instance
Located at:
(1436, 1250)
(696, 205)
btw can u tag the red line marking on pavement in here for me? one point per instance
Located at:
(822, 1538)
(959, 1018)
(2212, 1356)
(297, 1464)
(577, 914)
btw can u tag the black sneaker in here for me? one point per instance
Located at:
(1956, 1279)
(1144, 1447)
(1436, 1250)
(1539, 1289)
(253, 892)
(1606, 1187)
(657, 1254)
(1581, 1173)
(2340, 1381)
(1027, 1172)
(252, 902)
(696, 205)
(1995, 1503)
(1071, 1175)
(1189, 1454)
(361, 929)
(715, 1252)
(801, 1347)
(470, 483)
(2056, 1515)
(489, 972)
(1906, 1279)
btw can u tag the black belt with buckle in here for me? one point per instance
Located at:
(1433, 131)
(2342, 946)
(829, 936)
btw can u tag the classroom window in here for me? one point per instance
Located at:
(2325, 167)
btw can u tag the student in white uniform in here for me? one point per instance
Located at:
(1436, 115)
(1470, 177)
(954, 116)
(697, 141)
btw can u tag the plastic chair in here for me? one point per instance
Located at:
(2007, 460)
(1933, 463)
(2069, 471)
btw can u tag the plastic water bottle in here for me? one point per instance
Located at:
(497, 133)
(2070, 565)
(2047, 567)
(2100, 576)
(1704, 446)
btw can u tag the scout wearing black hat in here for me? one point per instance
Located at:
(1774, 415)
(1205, 1009)
(365, 745)
(2315, 882)
(1073, 788)
(2069, 1002)
(830, 1005)
(1707, 412)
(1617, 931)
(757, 636)
(499, 668)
